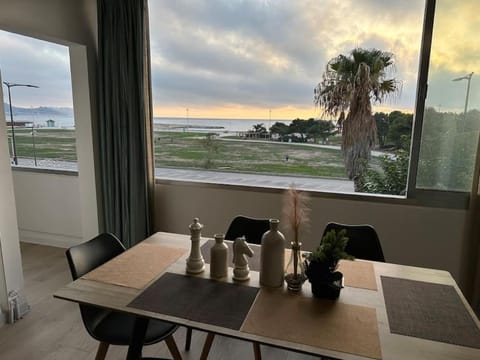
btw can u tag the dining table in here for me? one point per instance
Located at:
(384, 311)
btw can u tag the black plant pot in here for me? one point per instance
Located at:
(326, 282)
(328, 289)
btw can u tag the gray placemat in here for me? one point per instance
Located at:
(429, 311)
(253, 262)
(197, 299)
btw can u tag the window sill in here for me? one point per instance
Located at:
(216, 180)
(44, 170)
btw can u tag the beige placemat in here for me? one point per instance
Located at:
(315, 322)
(360, 274)
(136, 267)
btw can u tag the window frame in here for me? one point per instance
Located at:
(414, 195)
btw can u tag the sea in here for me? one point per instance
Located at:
(211, 125)
(175, 124)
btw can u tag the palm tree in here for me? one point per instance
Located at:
(349, 85)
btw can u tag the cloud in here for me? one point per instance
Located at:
(252, 55)
(30, 61)
(455, 53)
(270, 53)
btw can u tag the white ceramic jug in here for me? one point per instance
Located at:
(272, 258)
(218, 257)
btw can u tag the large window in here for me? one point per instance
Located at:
(36, 74)
(233, 85)
(452, 110)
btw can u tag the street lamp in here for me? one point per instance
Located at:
(467, 77)
(10, 85)
(33, 144)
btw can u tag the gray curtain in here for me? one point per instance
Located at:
(125, 122)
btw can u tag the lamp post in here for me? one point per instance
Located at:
(467, 77)
(10, 85)
(33, 144)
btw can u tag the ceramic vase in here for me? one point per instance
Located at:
(272, 257)
(218, 257)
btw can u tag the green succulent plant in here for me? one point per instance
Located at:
(331, 249)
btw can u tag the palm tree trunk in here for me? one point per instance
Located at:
(359, 128)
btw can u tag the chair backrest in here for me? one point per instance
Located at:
(86, 257)
(93, 253)
(252, 228)
(363, 241)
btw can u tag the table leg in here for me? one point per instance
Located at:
(256, 351)
(138, 336)
(207, 345)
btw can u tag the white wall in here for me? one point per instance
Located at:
(55, 20)
(11, 276)
(48, 208)
(71, 23)
(410, 235)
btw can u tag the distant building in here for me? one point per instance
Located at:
(20, 123)
(50, 123)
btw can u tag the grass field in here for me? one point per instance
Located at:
(49, 144)
(188, 150)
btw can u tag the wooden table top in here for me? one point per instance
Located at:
(393, 346)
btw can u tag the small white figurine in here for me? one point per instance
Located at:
(241, 250)
(195, 262)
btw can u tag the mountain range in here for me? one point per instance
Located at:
(40, 111)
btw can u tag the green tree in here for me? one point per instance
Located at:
(448, 148)
(280, 128)
(400, 125)
(321, 129)
(259, 128)
(300, 126)
(382, 123)
(212, 148)
(349, 85)
(391, 178)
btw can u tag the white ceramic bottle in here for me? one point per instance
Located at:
(218, 257)
(272, 258)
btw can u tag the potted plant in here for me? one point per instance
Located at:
(321, 265)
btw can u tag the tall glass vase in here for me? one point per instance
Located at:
(295, 270)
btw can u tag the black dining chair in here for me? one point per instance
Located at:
(107, 326)
(363, 241)
(252, 229)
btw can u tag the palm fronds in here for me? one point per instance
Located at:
(349, 85)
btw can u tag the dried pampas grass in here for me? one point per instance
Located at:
(296, 213)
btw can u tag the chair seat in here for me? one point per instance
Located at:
(117, 328)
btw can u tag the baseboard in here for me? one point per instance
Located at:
(49, 239)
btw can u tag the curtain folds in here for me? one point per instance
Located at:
(125, 119)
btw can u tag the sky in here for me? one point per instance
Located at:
(247, 57)
(262, 58)
(25, 60)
